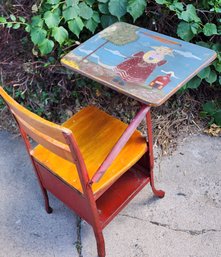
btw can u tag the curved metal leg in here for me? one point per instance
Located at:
(44, 191)
(158, 193)
(48, 208)
(100, 243)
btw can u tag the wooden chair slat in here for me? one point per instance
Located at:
(51, 144)
(46, 127)
(68, 156)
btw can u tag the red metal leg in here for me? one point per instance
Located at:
(47, 206)
(100, 243)
(156, 192)
(43, 190)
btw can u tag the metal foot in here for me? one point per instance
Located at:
(158, 193)
(46, 199)
(49, 210)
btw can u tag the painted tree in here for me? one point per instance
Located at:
(118, 34)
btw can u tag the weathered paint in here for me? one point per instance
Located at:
(129, 59)
(90, 139)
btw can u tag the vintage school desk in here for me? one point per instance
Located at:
(146, 66)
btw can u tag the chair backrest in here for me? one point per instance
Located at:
(46, 133)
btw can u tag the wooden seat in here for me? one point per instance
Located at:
(94, 163)
(96, 133)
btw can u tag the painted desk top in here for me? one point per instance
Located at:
(140, 63)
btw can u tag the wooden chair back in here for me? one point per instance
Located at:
(50, 135)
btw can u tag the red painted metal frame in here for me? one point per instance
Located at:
(120, 144)
(158, 193)
(98, 212)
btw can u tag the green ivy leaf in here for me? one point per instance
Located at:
(103, 8)
(217, 117)
(91, 25)
(17, 26)
(60, 34)
(176, 7)
(96, 17)
(209, 29)
(219, 29)
(107, 20)
(57, 11)
(194, 83)
(195, 27)
(118, 8)
(217, 66)
(203, 44)
(190, 14)
(217, 47)
(162, 2)
(2, 20)
(46, 46)
(85, 11)
(90, 2)
(212, 77)
(12, 17)
(204, 73)
(51, 19)
(136, 8)
(9, 24)
(76, 26)
(21, 19)
(184, 31)
(37, 21)
(103, 1)
(38, 35)
(71, 12)
(71, 2)
(28, 28)
(53, 1)
(210, 107)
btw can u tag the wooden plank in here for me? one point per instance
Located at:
(120, 144)
(54, 146)
(46, 127)
(93, 131)
(145, 65)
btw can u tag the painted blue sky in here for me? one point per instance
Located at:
(186, 60)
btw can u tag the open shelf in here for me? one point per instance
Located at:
(121, 193)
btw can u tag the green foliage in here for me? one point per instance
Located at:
(136, 8)
(212, 110)
(199, 23)
(13, 22)
(58, 23)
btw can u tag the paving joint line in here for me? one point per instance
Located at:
(191, 232)
(78, 242)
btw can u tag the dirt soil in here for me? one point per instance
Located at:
(48, 89)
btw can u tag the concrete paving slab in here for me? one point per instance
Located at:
(26, 230)
(186, 223)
